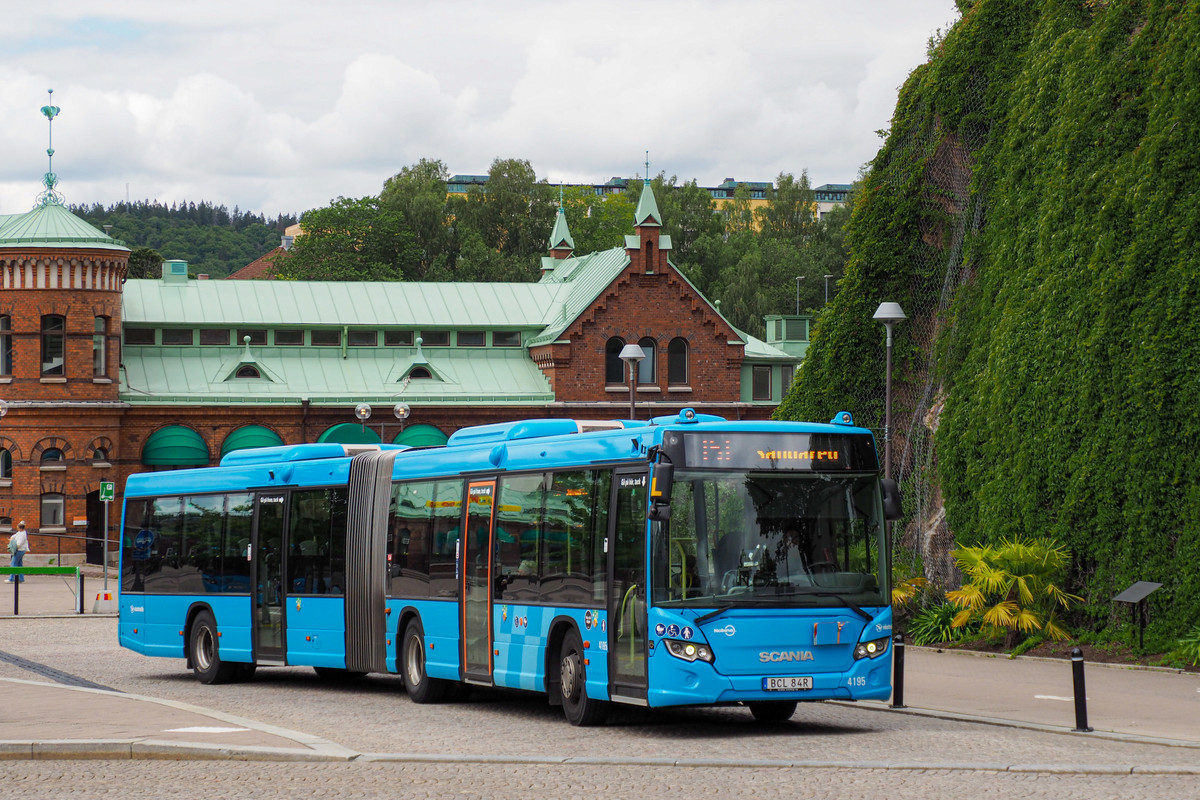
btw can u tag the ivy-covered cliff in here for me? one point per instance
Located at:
(1036, 210)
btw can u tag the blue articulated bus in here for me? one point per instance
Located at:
(687, 560)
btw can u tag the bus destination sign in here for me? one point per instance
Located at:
(787, 451)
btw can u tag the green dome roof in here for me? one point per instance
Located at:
(52, 225)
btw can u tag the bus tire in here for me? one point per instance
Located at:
(578, 708)
(205, 652)
(773, 710)
(421, 688)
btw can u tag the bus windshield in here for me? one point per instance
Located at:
(752, 538)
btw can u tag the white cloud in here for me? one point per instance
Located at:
(280, 107)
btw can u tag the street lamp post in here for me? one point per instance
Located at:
(363, 412)
(631, 354)
(889, 314)
(827, 277)
(798, 279)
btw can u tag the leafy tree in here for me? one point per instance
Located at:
(144, 262)
(1013, 587)
(418, 194)
(598, 222)
(351, 240)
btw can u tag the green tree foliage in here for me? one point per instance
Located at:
(351, 240)
(1069, 358)
(418, 195)
(212, 239)
(597, 222)
(144, 262)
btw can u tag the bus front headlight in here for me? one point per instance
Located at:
(872, 649)
(689, 651)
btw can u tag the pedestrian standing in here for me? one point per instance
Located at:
(18, 546)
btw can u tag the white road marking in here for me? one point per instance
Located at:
(203, 729)
(1053, 697)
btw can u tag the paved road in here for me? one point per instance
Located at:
(510, 744)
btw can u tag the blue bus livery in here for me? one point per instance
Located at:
(683, 561)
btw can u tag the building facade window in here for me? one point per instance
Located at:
(291, 337)
(6, 345)
(397, 338)
(361, 338)
(183, 337)
(258, 336)
(54, 329)
(647, 370)
(420, 373)
(506, 339)
(471, 338)
(326, 337)
(213, 336)
(53, 510)
(52, 457)
(145, 336)
(761, 384)
(614, 367)
(5, 464)
(435, 338)
(677, 362)
(247, 371)
(100, 347)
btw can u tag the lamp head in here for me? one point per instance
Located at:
(363, 411)
(401, 411)
(889, 313)
(632, 353)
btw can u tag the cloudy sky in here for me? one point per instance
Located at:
(283, 106)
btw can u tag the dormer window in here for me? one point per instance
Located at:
(420, 373)
(248, 371)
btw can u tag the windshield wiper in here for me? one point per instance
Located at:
(844, 601)
(703, 618)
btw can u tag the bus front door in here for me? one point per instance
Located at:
(627, 587)
(267, 558)
(476, 574)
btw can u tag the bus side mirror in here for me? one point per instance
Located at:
(661, 483)
(891, 499)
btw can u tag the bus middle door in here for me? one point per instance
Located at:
(476, 589)
(267, 583)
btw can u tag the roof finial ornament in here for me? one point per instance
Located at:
(647, 176)
(50, 195)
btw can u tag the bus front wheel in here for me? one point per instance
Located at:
(773, 710)
(421, 688)
(578, 708)
(206, 653)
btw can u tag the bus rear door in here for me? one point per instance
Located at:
(268, 584)
(476, 574)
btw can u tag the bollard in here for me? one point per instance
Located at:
(16, 596)
(1081, 720)
(898, 671)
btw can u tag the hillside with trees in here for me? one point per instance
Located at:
(1035, 211)
(211, 238)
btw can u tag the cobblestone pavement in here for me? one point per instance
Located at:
(132, 780)
(474, 748)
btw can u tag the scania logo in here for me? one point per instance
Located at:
(728, 630)
(785, 655)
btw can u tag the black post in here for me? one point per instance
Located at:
(79, 596)
(16, 596)
(1081, 720)
(898, 671)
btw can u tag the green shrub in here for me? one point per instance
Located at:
(1189, 647)
(935, 624)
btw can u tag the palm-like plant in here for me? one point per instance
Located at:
(1013, 587)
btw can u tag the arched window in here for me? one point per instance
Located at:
(54, 328)
(677, 362)
(5, 464)
(52, 455)
(648, 366)
(248, 371)
(614, 367)
(100, 347)
(420, 372)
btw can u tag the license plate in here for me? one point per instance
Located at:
(787, 683)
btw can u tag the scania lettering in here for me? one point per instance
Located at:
(682, 561)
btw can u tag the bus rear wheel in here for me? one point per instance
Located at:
(773, 710)
(578, 708)
(421, 688)
(207, 665)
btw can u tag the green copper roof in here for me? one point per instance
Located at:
(560, 237)
(52, 225)
(647, 208)
(583, 278)
(283, 303)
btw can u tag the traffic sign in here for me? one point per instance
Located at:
(107, 491)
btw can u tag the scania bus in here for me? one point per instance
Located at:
(687, 560)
